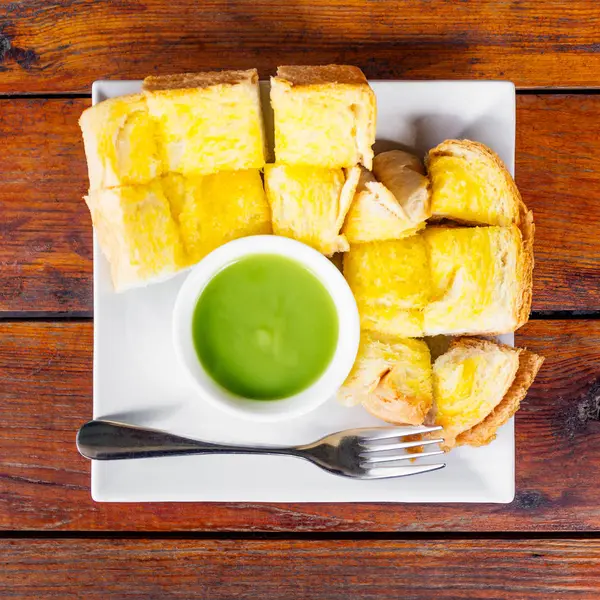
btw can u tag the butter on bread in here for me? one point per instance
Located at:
(208, 122)
(485, 432)
(323, 116)
(150, 232)
(212, 210)
(121, 144)
(137, 234)
(391, 378)
(477, 387)
(470, 184)
(481, 280)
(391, 283)
(309, 204)
(375, 214)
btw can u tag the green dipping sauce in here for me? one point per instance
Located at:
(265, 327)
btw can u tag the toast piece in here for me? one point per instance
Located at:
(392, 378)
(137, 234)
(404, 176)
(479, 280)
(120, 140)
(375, 214)
(470, 184)
(310, 204)
(391, 284)
(485, 432)
(208, 122)
(215, 209)
(469, 382)
(478, 386)
(323, 115)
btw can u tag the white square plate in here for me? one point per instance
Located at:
(138, 380)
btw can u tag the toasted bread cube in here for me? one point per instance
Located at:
(120, 142)
(214, 209)
(137, 234)
(470, 184)
(309, 204)
(391, 283)
(477, 278)
(208, 122)
(469, 382)
(392, 378)
(376, 215)
(323, 115)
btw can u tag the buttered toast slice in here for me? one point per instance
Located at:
(137, 234)
(309, 204)
(480, 280)
(120, 140)
(208, 122)
(470, 184)
(323, 115)
(212, 210)
(391, 283)
(391, 378)
(477, 387)
(485, 432)
(150, 232)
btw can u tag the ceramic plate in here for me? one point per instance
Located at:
(138, 380)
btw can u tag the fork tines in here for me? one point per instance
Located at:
(382, 460)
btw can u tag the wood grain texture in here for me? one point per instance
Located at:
(46, 249)
(558, 174)
(45, 395)
(290, 570)
(64, 45)
(45, 228)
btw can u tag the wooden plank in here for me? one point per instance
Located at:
(45, 228)
(46, 249)
(289, 570)
(558, 176)
(45, 395)
(63, 47)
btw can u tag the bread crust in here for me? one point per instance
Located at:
(470, 149)
(298, 75)
(157, 83)
(485, 432)
(526, 263)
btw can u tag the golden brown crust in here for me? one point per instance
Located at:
(485, 432)
(297, 75)
(525, 268)
(155, 83)
(467, 147)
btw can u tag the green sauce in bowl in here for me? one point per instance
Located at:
(265, 327)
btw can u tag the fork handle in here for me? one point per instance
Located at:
(108, 440)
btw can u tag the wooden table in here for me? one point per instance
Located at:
(55, 542)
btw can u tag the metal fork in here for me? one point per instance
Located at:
(366, 453)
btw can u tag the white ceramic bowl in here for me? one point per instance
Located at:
(348, 338)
